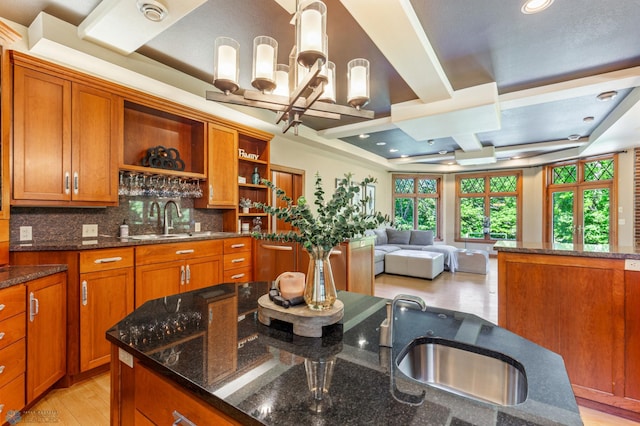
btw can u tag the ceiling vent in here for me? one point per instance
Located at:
(152, 10)
(125, 25)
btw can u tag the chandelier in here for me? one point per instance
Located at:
(306, 86)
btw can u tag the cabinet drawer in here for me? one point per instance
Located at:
(158, 406)
(103, 260)
(12, 362)
(237, 275)
(13, 300)
(235, 245)
(12, 396)
(237, 260)
(12, 330)
(176, 251)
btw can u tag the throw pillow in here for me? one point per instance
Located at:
(381, 236)
(396, 236)
(422, 238)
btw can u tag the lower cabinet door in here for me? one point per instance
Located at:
(106, 298)
(46, 333)
(158, 280)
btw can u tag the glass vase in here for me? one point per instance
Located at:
(320, 290)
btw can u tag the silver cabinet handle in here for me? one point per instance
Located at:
(188, 274)
(189, 251)
(108, 259)
(1, 335)
(274, 247)
(1, 306)
(67, 184)
(236, 276)
(239, 260)
(75, 183)
(84, 293)
(181, 420)
(210, 192)
(182, 275)
(1, 369)
(34, 306)
(237, 245)
(1, 408)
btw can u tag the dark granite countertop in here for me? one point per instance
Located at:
(270, 385)
(104, 241)
(566, 249)
(14, 275)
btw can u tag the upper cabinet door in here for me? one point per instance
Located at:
(42, 136)
(65, 145)
(222, 168)
(94, 145)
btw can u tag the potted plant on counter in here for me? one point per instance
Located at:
(335, 220)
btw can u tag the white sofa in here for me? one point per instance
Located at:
(389, 240)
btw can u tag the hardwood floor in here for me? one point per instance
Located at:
(87, 403)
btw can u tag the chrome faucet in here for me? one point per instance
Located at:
(155, 206)
(386, 340)
(386, 328)
(168, 224)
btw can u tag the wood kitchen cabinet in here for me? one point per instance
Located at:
(351, 263)
(106, 296)
(46, 333)
(222, 151)
(65, 141)
(238, 260)
(12, 349)
(586, 310)
(166, 269)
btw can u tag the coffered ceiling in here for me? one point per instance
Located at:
(474, 77)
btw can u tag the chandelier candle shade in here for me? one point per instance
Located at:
(358, 76)
(265, 56)
(292, 91)
(226, 61)
(311, 30)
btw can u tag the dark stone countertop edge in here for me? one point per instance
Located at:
(603, 252)
(111, 242)
(14, 275)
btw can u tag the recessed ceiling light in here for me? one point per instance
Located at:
(381, 143)
(573, 137)
(443, 152)
(404, 156)
(534, 6)
(363, 135)
(607, 96)
(393, 150)
(588, 119)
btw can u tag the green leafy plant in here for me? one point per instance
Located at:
(337, 219)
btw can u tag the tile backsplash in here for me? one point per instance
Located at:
(63, 224)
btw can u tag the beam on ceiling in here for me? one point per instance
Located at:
(468, 142)
(395, 29)
(619, 130)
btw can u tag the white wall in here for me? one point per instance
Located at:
(286, 152)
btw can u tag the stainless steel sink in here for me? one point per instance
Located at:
(159, 237)
(464, 370)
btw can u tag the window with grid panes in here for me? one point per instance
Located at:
(416, 202)
(488, 206)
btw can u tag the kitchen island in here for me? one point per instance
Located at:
(204, 356)
(583, 302)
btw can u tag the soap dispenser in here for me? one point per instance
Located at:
(124, 229)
